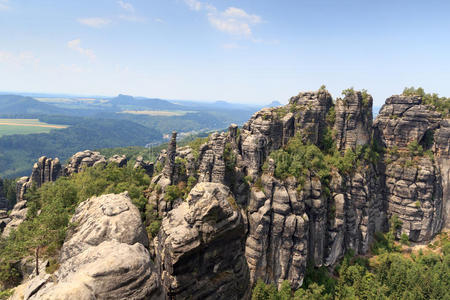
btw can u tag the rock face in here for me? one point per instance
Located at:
(104, 257)
(271, 128)
(82, 160)
(416, 185)
(200, 250)
(104, 218)
(212, 164)
(120, 160)
(16, 216)
(291, 223)
(353, 124)
(44, 170)
(169, 167)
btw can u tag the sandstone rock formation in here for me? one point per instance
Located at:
(228, 220)
(103, 257)
(212, 164)
(120, 160)
(16, 216)
(200, 251)
(82, 160)
(353, 124)
(44, 170)
(169, 167)
(417, 185)
(147, 166)
(288, 226)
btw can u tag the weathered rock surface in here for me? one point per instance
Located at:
(271, 128)
(416, 185)
(120, 160)
(16, 216)
(82, 160)
(353, 124)
(212, 164)
(403, 119)
(44, 170)
(277, 241)
(169, 167)
(104, 218)
(104, 257)
(200, 252)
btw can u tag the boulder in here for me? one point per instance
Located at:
(199, 249)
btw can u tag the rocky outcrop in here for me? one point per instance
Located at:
(271, 128)
(353, 120)
(82, 160)
(104, 218)
(147, 166)
(183, 165)
(4, 219)
(212, 164)
(119, 160)
(403, 120)
(291, 223)
(16, 216)
(277, 241)
(169, 167)
(416, 164)
(441, 150)
(200, 251)
(103, 257)
(44, 170)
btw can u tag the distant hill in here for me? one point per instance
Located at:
(19, 152)
(14, 104)
(274, 104)
(145, 103)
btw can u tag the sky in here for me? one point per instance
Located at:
(247, 51)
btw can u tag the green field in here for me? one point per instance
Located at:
(25, 126)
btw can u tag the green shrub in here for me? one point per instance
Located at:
(404, 239)
(153, 228)
(441, 104)
(415, 149)
(173, 192)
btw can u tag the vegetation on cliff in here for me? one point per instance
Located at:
(391, 272)
(441, 104)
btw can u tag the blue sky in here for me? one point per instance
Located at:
(252, 51)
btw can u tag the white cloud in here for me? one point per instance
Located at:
(233, 20)
(126, 6)
(130, 14)
(237, 13)
(4, 5)
(158, 20)
(76, 45)
(132, 18)
(94, 22)
(194, 4)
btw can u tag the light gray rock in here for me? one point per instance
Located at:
(120, 160)
(103, 257)
(200, 250)
(104, 218)
(83, 159)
